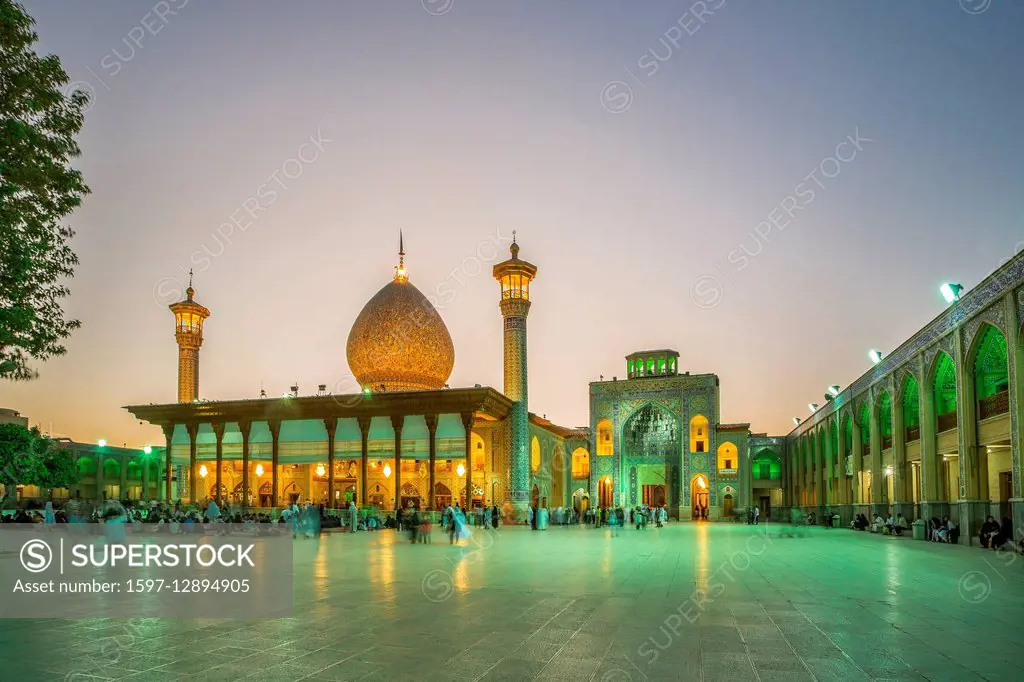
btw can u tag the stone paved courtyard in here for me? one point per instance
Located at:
(689, 602)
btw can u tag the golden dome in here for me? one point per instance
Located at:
(399, 341)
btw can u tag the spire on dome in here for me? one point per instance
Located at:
(515, 247)
(401, 275)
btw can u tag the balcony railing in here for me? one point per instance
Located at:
(913, 433)
(994, 405)
(886, 442)
(946, 422)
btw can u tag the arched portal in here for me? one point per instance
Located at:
(605, 444)
(885, 438)
(699, 496)
(605, 492)
(409, 495)
(580, 464)
(910, 408)
(558, 478)
(651, 443)
(992, 466)
(534, 455)
(700, 436)
(943, 392)
(442, 496)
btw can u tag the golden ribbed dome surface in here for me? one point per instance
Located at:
(399, 342)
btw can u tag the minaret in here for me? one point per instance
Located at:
(515, 276)
(188, 332)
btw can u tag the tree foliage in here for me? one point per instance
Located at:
(38, 187)
(27, 457)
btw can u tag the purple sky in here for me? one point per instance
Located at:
(462, 125)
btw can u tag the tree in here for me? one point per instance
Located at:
(38, 187)
(27, 457)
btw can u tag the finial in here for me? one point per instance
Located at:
(190, 292)
(515, 247)
(400, 274)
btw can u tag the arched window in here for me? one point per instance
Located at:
(699, 435)
(865, 429)
(945, 385)
(534, 455)
(911, 409)
(991, 374)
(728, 457)
(766, 466)
(580, 463)
(478, 453)
(885, 420)
(605, 445)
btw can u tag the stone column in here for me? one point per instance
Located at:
(819, 474)
(1015, 350)
(973, 498)
(218, 431)
(122, 480)
(858, 462)
(845, 495)
(467, 424)
(193, 473)
(168, 463)
(275, 454)
(364, 430)
(397, 422)
(331, 426)
(145, 478)
(100, 482)
(431, 420)
(245, 428)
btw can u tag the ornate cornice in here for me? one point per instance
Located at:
(487, 403)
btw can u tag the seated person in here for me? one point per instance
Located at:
(861, 522)
(952, 534)
(988, 533)
(901, 525)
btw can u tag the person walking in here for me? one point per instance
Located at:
(494, 517)
(353, 516)
(757, 514)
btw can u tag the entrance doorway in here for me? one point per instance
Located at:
(604, 492)
(535, 497)
(727, 506)
(766, 506)
(654, 495)
(699, 496)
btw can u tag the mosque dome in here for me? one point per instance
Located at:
(399, 341)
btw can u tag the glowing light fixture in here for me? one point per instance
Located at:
(148, 450)
(102, 443)
(813, 407)
(259, 469)
(387, 471)
(366, 390)
(888, 471)
(834, 390)
(701, 483)
(951, 292)
(203, 471)
(461, 470)
(321, 470)
(797, 421)
(875, 355)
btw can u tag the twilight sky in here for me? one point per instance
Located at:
(657, 167)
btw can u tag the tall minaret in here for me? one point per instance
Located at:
(515, 276)
(188, 332)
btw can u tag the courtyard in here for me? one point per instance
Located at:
(688, 601)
